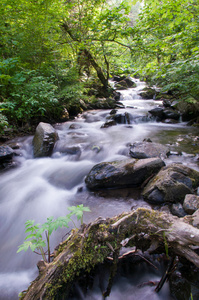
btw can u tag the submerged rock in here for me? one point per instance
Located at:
(171, 184)
(148, 149)
(108, 124)
(130, 172)
(44, 140)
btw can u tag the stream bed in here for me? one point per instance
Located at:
(39, 188)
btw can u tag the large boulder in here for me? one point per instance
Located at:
(161, 114)
(171, 184)
(157, 112)
(117, 174)
(147, 150)
(44, 140)
(125, 83)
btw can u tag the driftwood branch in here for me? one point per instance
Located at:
(92, 244)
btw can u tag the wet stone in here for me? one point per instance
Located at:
(191, 203)
(148, 149)
(177, 210)
(6, 153)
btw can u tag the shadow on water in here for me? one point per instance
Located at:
(134, 279)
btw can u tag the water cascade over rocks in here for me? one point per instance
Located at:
(43, 186)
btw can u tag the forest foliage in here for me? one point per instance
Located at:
(52, 52)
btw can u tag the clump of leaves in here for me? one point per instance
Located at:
(34, 240)
(3, 122)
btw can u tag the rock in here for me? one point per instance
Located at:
(130, 83)
(108, 124)
(114, 119)
(195, 218)
(113, 111)
(130, 172)
(171, 184)
(191, 203)
(75, 126)
(177, 210)
(189, 110)
(125, 83)
(162, 114)
(118, 78)
(122, 85)
(148, 149)
(166, 103)
(6, 154)
(121, 118)
(170, 114)
(157, 112)
(73, 150)
(148, 93)
(44, 140)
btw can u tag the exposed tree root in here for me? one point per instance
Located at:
(143, 228)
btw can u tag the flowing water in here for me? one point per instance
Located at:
(39, 188)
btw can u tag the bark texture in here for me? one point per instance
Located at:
(93, 243)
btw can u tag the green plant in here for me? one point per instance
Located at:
(78, 211)
(3, 122)
(35, 238)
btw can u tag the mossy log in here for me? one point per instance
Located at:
(93, 243)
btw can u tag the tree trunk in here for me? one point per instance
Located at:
(97, 68)
(92, 244)
(89, 56)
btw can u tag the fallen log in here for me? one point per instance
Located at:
(144, 228)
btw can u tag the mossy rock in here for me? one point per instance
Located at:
(171, 184)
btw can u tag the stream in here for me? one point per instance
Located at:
(39, 188)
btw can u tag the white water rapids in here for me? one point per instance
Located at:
(44, 187)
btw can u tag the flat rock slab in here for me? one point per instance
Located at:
(117, 174)
(44, 140)
(171, 184)
(147, 150)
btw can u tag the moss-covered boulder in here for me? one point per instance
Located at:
(148, 93)
(44, 140)
(117, 174)
(171, 184)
